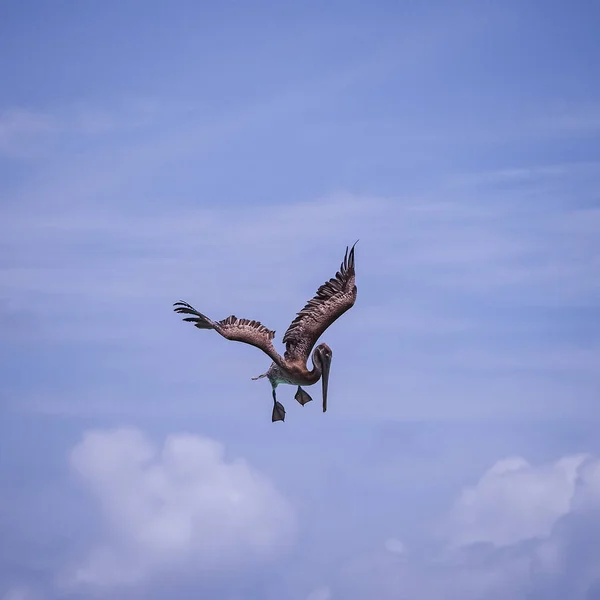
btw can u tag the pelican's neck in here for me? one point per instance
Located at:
(315, 373)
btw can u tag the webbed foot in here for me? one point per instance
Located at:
(302, 396)
(278, 412)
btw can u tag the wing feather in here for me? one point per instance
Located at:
(247, 331)
(331, 301)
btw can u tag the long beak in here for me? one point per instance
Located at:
(326, 364)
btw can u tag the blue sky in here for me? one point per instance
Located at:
(226, 155)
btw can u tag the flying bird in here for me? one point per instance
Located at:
(331, 301)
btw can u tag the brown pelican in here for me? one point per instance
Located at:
(331, 301)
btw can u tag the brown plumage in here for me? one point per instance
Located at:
(331, 301)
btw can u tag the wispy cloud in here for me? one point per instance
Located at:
(21, 130)
(424, 269)
(21, 593)
(571, 121)
(48, 136)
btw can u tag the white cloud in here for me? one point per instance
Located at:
(395, 546)
(321, 593)
(183, 508)
(514, 501)
(524, 531)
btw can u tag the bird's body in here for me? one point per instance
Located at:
(333, 299)
(291, 375)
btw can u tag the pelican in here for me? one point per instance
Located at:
(331, 301)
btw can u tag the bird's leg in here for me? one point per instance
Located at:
(278, 410)
(302, 396)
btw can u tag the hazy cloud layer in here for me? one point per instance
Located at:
(227, 158)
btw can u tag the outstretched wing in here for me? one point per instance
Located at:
(332, 300)
(238, 330)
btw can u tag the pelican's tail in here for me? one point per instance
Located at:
(198, 319)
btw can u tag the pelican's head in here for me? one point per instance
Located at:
(322, 357)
